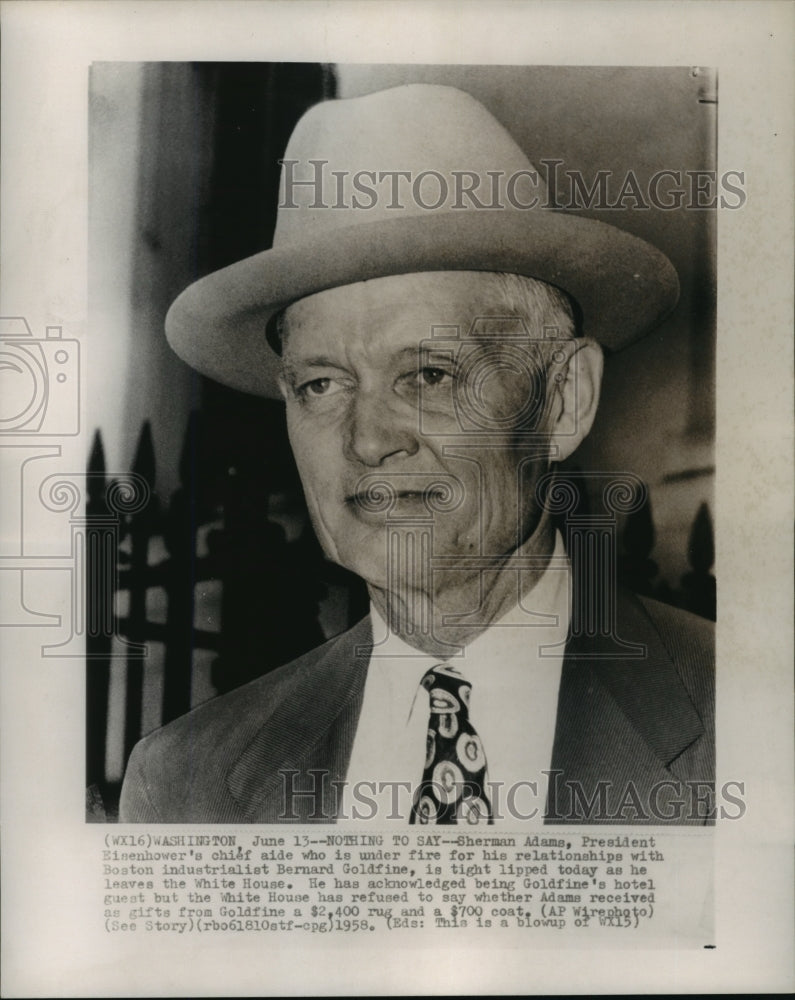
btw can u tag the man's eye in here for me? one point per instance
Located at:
(433, 376)
(319, 387)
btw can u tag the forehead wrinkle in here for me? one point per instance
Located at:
(381, 320)
(374, 335)
(291, 366)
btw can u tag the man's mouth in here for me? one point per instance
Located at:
(382, 498)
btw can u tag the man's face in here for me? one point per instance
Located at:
(370, 401)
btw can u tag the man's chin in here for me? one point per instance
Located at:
(400, 576)
(366, 557)
(373, 575)
(399, 558)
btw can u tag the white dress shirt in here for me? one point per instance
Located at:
(513, 707)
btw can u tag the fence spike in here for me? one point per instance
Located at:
(144, 461)
(701, 546)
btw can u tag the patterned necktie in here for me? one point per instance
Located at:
(452, 787)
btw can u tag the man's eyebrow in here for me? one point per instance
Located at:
(323, 361)
(314, 361)
(410, 351)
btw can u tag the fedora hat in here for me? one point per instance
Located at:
(415, 178)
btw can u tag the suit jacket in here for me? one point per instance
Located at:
(634, 739)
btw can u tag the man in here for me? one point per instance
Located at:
(434, 330)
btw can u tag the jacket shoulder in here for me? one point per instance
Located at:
(178, 772)
(683, 633)
(690, 643)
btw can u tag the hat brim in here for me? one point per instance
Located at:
(622, 285)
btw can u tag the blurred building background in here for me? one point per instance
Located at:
(219, 575)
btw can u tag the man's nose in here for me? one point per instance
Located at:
(377, 430)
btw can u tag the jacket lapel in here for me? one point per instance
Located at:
(287, 772)
(622, 723)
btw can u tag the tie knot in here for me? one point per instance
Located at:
(447, 689)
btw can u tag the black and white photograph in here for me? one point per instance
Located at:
(391, 584)
(397, 517)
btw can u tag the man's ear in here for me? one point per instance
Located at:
(575, 385)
